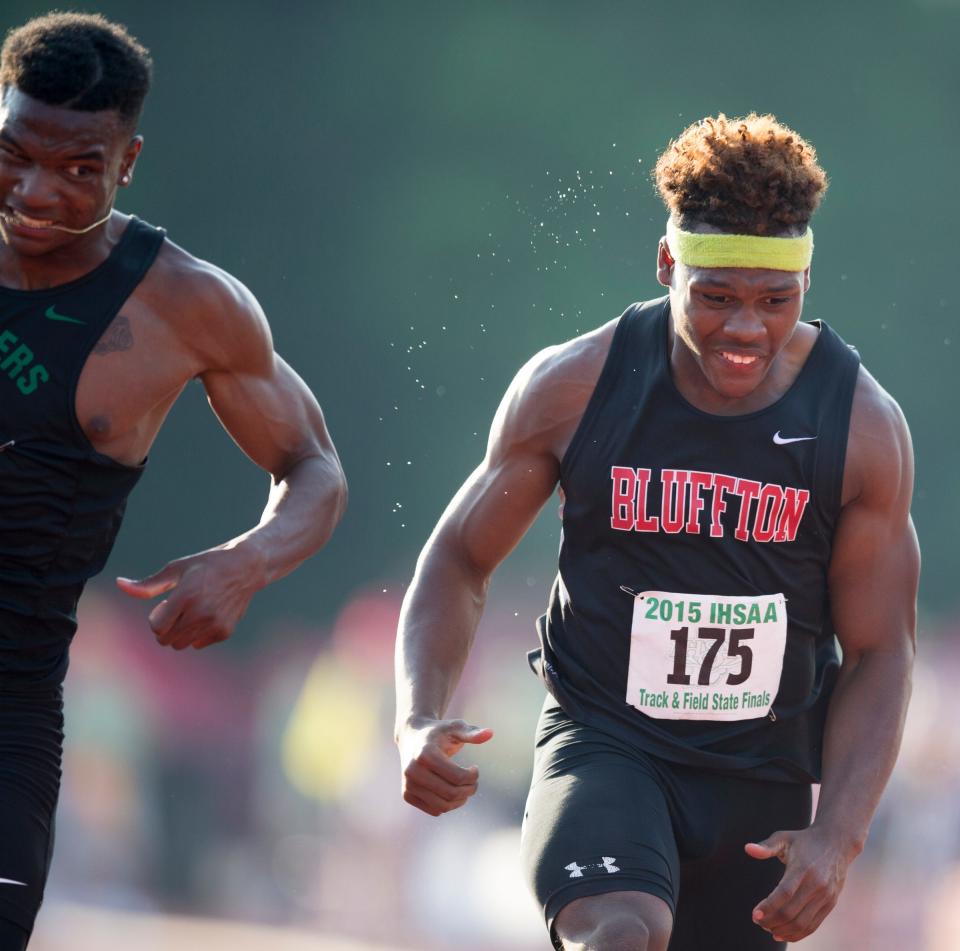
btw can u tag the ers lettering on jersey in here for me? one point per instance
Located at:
(766, 512)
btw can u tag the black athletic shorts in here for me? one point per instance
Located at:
(31, 743)
(603, 816)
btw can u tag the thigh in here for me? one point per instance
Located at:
(719, 890)
(596, 821)
(30, 753)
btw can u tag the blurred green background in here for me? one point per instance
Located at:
(422, 194)
(390, 180)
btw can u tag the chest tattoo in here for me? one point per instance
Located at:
(119, 337)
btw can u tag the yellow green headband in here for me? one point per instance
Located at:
(740, 250)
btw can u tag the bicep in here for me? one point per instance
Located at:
(502, 497)
(875, 566)
(494, 508)
(873, 584)
(269, 412)
(261, 401)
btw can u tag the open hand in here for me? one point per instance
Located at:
(432, 781)
(816, 867)
(208, 594)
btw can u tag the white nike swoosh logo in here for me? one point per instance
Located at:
(10, 881)
(783, 440)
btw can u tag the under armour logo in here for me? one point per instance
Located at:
(576, 871)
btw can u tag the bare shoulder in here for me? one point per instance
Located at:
(573, 365)
(879, 449)
(547, 398)
(207, 307)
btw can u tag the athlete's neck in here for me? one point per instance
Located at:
(76, 256)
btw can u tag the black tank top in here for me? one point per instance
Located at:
(662, 497)
(61, 501)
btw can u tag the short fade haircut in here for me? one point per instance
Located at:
(744, 176)
(80, 61)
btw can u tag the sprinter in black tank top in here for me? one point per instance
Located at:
(103, 322)
(736, 493)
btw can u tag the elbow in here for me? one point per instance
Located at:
(321, 474)
(334, 480)
(894, 662)
(331, 484)
(340, 492)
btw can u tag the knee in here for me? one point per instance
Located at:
(623, 933)
(593, 924)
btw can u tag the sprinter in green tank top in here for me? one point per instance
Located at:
(103, 322)
(736, 501)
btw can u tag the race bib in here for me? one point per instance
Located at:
(706, 657)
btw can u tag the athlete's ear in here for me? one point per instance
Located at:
(665, 263)
(806, 280)
(130, 159)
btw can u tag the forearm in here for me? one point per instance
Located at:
(303, 508)
(437, 624)
(861, 742)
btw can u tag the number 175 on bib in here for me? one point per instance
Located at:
(706, 657)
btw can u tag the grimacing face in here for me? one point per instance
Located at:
(58, 166)
(730, 323)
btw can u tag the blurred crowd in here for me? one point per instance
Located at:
(264, 786)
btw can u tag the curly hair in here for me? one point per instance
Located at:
(744, 176)
(80, 61)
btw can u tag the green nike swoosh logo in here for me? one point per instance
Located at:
(51, 314)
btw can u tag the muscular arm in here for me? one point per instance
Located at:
(275, 419)
(481, 526)
(873, 580)
(484, 521)
(272, 415)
